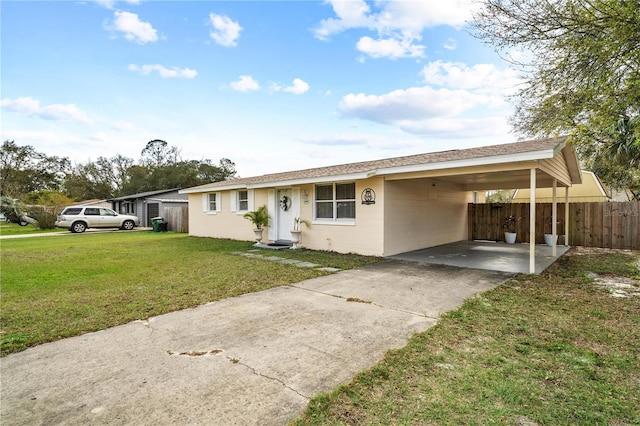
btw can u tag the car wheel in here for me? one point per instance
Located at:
(78, 227)
(128, 225)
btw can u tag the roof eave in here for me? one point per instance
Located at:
(471, 162)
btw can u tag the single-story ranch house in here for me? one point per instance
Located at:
(381, 207)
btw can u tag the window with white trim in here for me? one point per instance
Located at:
(243, 201)
(335, 201)
(213, 202)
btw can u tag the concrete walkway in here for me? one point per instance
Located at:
(249, 360)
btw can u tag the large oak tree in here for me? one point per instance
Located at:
(580, 61)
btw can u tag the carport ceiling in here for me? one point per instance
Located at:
(470, 180)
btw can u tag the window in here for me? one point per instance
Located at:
(335, 201)
(213, 202)
(243, 201)
(128, 207)
(92, 211)
(72, 211)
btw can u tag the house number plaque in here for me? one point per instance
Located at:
(368, 196)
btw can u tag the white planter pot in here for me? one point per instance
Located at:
(258, 233)
(548, 238)
(510, 237)
(295, 238)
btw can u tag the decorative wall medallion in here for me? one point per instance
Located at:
(285, 203)
(368, 196)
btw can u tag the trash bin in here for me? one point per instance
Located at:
(156, 222)
(164, 226)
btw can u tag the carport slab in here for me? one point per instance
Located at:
(492, 256)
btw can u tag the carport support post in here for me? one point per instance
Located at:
(566, 216)
(554, 220)
(532, 223)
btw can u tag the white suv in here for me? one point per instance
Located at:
(79, 218)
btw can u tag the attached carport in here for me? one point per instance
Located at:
(548, 163)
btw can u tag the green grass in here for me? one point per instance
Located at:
(15, 229)
(56, 287)
(539, 350)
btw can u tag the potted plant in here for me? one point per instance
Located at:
(260, 219)
(296, 231)
(548, 235)
(510, 229)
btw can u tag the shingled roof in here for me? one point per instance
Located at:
(496, 153)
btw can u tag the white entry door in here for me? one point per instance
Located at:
(285, 214)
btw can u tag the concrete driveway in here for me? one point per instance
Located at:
(249, 360)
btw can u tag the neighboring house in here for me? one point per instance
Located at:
(94, 203)
(590, 190)
(148, 205)
(381, 207)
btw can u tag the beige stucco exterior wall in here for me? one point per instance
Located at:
(407, 215)
(423, 213)
(365, 236)
(225, 223)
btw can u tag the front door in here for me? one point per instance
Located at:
(284, 222)
(153, 210)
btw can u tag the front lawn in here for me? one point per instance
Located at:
(555, 349)
(56, 287)
(7, 228)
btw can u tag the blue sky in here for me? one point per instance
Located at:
(272, 86)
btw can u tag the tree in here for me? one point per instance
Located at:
(158, 153)
(23, 170)
(581, 67)
(45, 206)
(104, 178)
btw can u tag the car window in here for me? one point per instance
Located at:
(91, 211)
(107, 212)
(72, 211)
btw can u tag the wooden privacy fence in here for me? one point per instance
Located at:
(607, 225)
(177, 218)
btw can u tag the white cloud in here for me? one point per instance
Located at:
(225, 31)
(245, 83)
(57, 112)
(448, 127)
(417, 15)
(455, 100)
(123, 126)
(350, 14)
(110, 4)
(297, 88)
(398, 23)
(373, 141)
(133, 28)
(390, 48)
(415, 103)
(174, 72)
(450, 44)
(483, 78)
(338, 140)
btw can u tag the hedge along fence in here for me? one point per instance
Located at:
(607, 225)
(177, 218)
